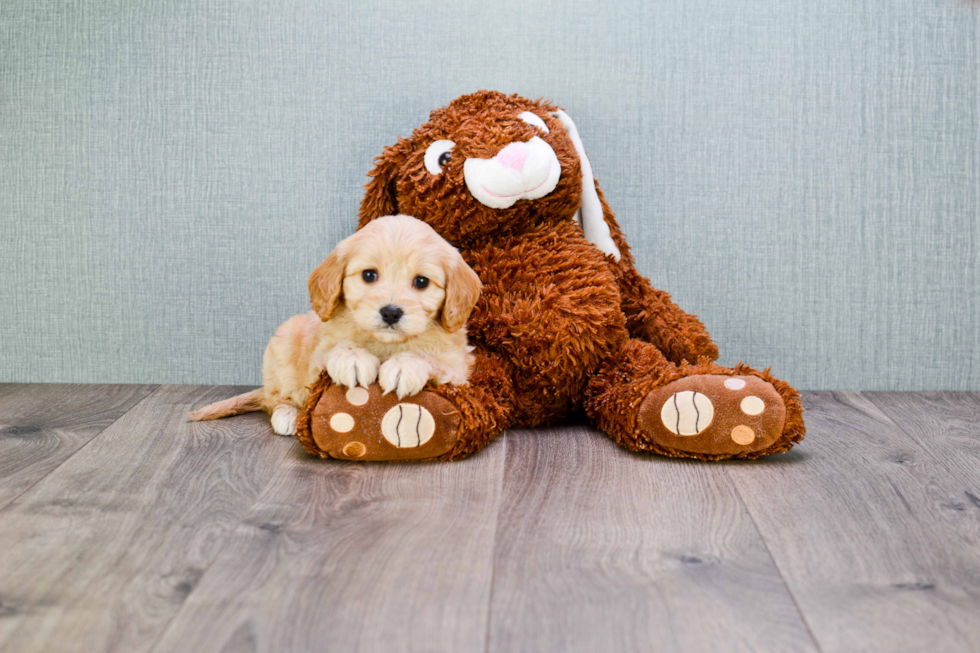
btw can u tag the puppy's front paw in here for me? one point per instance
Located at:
(284, 419)
(350, 366)
(404, 375)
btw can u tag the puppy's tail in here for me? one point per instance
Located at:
(246, 403)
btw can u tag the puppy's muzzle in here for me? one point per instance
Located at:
(391, 314)
(520, 171)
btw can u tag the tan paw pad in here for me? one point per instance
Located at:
(341, 422)
(734, 384)
(354, 449)
(357, 396)
(752, 405)
(687, 413)
(408, 425)
(743, 435)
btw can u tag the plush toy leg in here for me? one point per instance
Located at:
(646, 403)
(445, 422)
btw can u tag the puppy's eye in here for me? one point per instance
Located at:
(534, 121)
(438, 155)
(420, 282)
(369, 276)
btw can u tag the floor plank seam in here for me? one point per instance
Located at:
(153, 391)
(493, 548)
(775, 563)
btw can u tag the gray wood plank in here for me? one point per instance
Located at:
(869, 532)
(354, 557)
(100, 554)
(602, 550)
(947, 425)
(42, 425)
(8, 388)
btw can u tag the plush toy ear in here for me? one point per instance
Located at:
(327, 281)
(462, 292)
(589, 215)
(381, 196)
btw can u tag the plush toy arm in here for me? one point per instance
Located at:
(653, 317)
(650, 314)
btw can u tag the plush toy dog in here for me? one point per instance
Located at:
(564, 322)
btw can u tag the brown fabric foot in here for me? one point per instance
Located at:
(627, 400)
(364, 424)
(713, 415)
(445, 422)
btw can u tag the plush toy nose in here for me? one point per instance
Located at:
(514, 155)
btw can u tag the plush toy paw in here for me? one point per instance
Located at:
(366, 424)
(713, 415)
(351, 366)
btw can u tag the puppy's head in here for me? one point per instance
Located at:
(489, 163)
(398, 278)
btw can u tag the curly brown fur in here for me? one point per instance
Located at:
(560, 325)
(304, 420)
(485, 404)
(553, 340)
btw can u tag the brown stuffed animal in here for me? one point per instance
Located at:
(565, 321)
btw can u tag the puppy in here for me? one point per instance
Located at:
(389, 304)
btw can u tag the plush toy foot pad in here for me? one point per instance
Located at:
(363, 424)
(714, 415)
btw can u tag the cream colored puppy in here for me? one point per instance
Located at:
(389, 305)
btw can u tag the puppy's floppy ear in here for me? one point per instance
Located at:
(462, 292)
(381, 195)
(327, 281)
(589, 215)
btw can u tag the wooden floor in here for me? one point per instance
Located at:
(125, 527)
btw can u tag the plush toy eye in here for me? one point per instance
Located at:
(420, 282)
(369, 276)
(438, 155)
(534, 121)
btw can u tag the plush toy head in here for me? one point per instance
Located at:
(489, 164)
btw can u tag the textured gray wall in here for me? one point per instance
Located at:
(803, 175)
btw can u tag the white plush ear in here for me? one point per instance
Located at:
(589, 214)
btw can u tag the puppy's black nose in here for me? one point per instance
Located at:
(391, 314)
